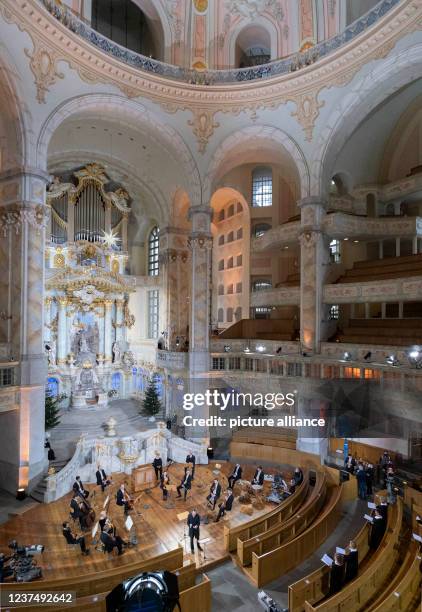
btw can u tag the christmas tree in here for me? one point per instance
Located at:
(52, 410)
(151, 404)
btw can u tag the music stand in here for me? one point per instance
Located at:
(203, 543)
(182, 516)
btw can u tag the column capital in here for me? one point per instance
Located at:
(200, 241)
(108, 304)
(203, 209)
(62, 300)
(313, 201)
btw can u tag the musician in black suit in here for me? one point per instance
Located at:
(226, 505)
(190, 458)
(75, 510)
(186, 484)
(110, 541)
(102, 480)
(378, 527)
(79, 489)
(235, 475)
(337, 574)
(215, 492)
(258, 478)
(157, 464)
(383, 509)
(352, 561)
(122, 499)
(298, 476)
(164, 481)
(193, 522)
(73, 538)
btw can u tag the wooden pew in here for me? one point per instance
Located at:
(282, 532)
(105, 581)
(273, 454)
(357, 593)
(263, 523)
(197, 598)
(406, 590)
(278, 562)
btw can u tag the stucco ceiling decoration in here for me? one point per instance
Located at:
(301, 87)
(252, 8)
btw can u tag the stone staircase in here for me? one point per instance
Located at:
(38, 492)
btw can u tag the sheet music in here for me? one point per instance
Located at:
(372, 506)
(129, 523)
(107, 499)
(368, 518)
(95, 529)
(327, 560)
(340, 551)
(417, 537)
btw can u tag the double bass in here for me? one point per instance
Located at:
(87, 513)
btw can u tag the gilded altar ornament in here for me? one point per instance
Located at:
(59, 260)
(201, 5)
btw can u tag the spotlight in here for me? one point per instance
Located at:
(414, 356)
(260, 348)
(247, 350)
(368, 356)
(20, 494)
(392, 360)
(227, 348)
(347, 356)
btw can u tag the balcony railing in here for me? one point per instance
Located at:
(212, 77)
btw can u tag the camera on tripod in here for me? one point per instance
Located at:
(22, 562)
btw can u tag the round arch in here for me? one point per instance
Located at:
(259, 22)
(243, 137)
(395, 72)
(115, 105)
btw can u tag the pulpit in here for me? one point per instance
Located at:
(143, 477)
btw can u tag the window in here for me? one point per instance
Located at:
(238, 287)
(230, 262)
(262, 187)
(249, 364)
(221, 215)
(220, 315)
(221, 264)
(262, 312)
(221, 240)
(220, 289)
(239, 260)
(261, 285)
(6, 377)
(230, 212)
(153, 314)
(234, 363)
(239, 207)
(218, 363)
(230, 289)
(334, 312)
(335, 251)
(238, 313)
(260, 229)
(153, 247)
(230, 237)
(239, 234)
(229, 315)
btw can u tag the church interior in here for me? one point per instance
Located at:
(211, 305)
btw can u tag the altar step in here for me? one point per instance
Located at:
(39, 491)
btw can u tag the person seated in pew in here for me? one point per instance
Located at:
(186, 485)
(298, 476)
(226, 505)
(102, 480)
(75, 512)
(73, 538)
(111, 541)
(377, 530)
(79, 489)
(352, 561)
(292, 487)
(382, 507)
(258, 478)
(337, 574)
(235, 475)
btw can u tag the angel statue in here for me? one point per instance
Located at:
(116, 352)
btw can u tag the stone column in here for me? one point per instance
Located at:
(100, 315)
(314, 261)
(47, 313)
(108, 331)
(61, 330)
(119, 321)
(124, 232)
(200, 244)
(24, 217)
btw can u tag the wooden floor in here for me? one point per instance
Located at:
(157, 527)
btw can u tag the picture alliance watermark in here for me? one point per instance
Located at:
(235, 399)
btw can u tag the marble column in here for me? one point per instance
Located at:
(47, 313)
(100, 315)
(119, 322)
(62, 302)
(108, 332)
(24, 217)
(200, 244)
(314, 261)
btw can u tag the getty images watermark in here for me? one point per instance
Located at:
(233, 399)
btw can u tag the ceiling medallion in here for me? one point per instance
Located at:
(201, 5)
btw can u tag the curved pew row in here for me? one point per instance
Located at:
(356, 595)
(276, 563)
(285, 530)
(255, 527)
(194, 595)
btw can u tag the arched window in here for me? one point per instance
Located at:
(253, 46)
(230, 237)
(262, 187)
(239, 233)
(153, 248)
(220, 315)
(230, 262)
(221, 264)
(260, 228)
(238, 313)
(221, 240)
(230, 211)
(261, 284)
(220, 289)
(229, 315)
